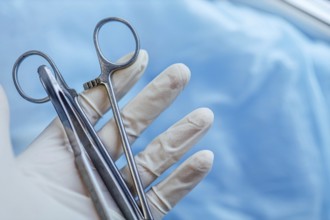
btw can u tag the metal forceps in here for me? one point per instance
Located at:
(88, 149)
(108, 68)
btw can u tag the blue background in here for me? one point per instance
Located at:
(267, 83)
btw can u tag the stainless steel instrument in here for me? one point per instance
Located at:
(88, 149)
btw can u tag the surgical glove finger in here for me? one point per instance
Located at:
(169, 147)
(95, 101)
(166, 194)
(146, 106)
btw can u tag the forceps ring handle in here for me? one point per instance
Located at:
(103, 60)
(15, 74)
(107, 66)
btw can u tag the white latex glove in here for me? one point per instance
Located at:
(43, 182)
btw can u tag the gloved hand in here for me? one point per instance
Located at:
(43, 182)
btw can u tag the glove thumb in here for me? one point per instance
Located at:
(6, 153)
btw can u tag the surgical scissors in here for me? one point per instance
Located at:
(83, 139)
(82, 135)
